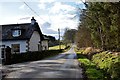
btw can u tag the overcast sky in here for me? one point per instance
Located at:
(50, 14)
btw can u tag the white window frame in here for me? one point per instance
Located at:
(16, 33)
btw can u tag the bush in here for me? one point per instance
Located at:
(89, 52)
(115, 70)
(108, 62)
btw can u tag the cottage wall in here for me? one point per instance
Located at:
(21, 42)
(45, 45)
(34, 41)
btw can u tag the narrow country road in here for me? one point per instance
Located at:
(62, 66)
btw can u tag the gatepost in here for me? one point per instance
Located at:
(8, 55)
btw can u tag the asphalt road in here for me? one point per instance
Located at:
(63, 66)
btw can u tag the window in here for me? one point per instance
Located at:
(16, 33)
(15, 48)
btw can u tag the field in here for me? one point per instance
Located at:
(57, 47)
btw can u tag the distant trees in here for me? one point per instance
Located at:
(52, 40)
(100, 26)
(83, 37)
(69, 36)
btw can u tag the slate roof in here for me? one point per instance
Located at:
(45, 37)
(27, 30)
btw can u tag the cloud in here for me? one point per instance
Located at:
(46, 25)
(50, 1)
(41, 19)
(61, 15)
(49, 31)
(58, 8)
(46, 1)
(16, 19)
(22, 6)
(46, 28)
(80, 1)
(62, 24)
(45, 4)
(42, 6)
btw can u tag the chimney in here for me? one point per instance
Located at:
(33, 20)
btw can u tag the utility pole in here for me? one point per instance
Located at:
(59, 38)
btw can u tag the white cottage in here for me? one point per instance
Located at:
(23, 37)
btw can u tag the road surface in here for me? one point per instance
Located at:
(62, 66)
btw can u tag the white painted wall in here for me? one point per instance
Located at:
(45, 44)
(34, 41)
(21, 42)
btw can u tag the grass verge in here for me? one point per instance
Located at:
(90, 69)
(100, 65)
(63, 48)
(57, 47)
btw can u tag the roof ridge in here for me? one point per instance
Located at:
(15, 24)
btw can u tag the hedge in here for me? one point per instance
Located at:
(33, 56)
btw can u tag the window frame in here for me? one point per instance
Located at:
(16, 33)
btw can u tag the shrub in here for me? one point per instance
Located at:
(115, 70)
(108, 62)
(88, 50)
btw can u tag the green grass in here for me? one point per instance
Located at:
(56, 47)
(63, 48)
(90, 68)
(91, 71)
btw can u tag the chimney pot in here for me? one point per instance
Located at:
(33, 20)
